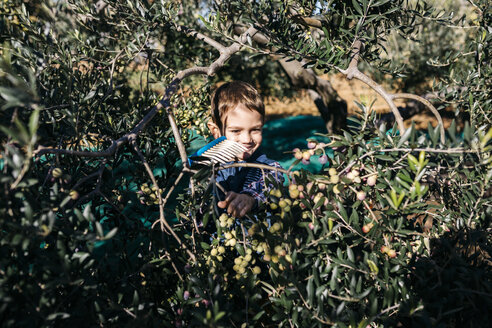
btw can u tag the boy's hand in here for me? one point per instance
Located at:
(237, 204)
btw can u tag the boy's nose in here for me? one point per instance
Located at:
(245, 138)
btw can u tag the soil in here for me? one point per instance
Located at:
(351, 91)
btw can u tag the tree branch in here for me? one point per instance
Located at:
(426, 103)
(97, 173)
(97, 190)
(255, 165)
(199, 36)
(225, 54)
(332, 108)
(353, 71)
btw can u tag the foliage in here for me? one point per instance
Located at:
(75, 237)
(358, 243)
(394, 231)
(341, 24)
(438, 44)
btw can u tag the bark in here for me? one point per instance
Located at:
(332, 108)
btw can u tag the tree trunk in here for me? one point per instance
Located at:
(332, 108)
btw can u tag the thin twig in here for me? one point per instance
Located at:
(171, 189)
(98, 186)
(25, 168)
(164, 224)
(166, 254)
(201, 37)
(370, 211)
(90, 176)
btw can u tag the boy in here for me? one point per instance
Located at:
(238, 113)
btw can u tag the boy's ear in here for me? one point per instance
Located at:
(214, 129)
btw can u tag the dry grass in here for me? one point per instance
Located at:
(351, 91)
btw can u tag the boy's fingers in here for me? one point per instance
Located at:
(240, 206)
(229, 196)
(244, 211)
(234, 206)
(247, 207)
(237, 205)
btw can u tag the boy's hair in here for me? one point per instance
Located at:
(231, 94)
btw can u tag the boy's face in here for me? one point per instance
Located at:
(243, 126)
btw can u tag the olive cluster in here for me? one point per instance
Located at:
(283, 204)
(225, 221)
(242, 263)
(315, 148)
(149, 195)
(388, 251)
(230, 238)
(218, 252)
(272, 254)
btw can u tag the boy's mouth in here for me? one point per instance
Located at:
(247, 153)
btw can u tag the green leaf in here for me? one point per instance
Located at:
(220, 315)
(310, 291)
(111, 233)
(23, 134)
(258, 315)
(374, 306)
(99, 229)
(357, 7)
(89, 96)
(405, 136)
(33, 122)
(404, 177)
(350, 254)
(240, 249)
(334, 276)
(341, 210)
(374, 268)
